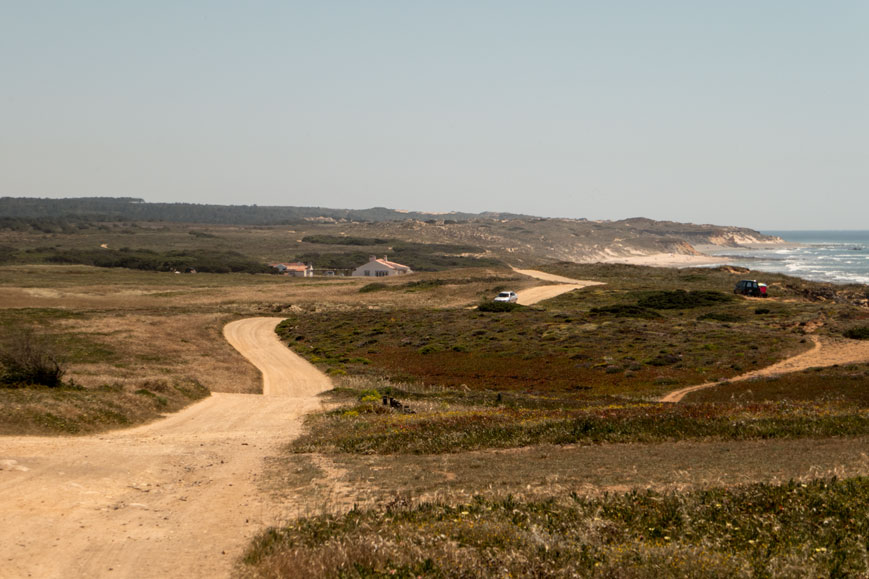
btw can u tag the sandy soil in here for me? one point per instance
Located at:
(825, 352)
(669, 260)
(538, 294)
(175, 498)
(283, 375)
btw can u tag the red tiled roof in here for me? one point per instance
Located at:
(298, 266)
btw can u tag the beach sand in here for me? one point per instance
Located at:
(669, 260)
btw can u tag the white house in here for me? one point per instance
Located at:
(297, 269)
(381, 268)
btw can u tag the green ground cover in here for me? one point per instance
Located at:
(818, 529)
(573, 344)
(584, 368)
(838, 385)
(448, 421)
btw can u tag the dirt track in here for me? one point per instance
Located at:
(538, 294)
(825, 352)
(175, 498)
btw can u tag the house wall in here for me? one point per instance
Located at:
(376, 269)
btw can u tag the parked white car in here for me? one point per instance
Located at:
(509, 297)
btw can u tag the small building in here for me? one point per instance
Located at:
(296, 269)
(381, 268)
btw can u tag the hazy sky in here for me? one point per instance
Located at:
(749, 113)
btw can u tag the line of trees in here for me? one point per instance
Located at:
(131, 209)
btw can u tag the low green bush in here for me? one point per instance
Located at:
(27, 359)
(368, 393)
(372, 287)
(344, 240)
(681, 299)
(859, 333)
(627, 311)
(498, 307)
(720, 317)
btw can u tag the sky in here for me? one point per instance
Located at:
(751, 113)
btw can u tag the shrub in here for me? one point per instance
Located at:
(28, 359)
(344, 240)
(627, 311)
(372, 287)
(859, 333)
(498, 307)
(369, 395)
(719, 317)
(761, 311)
(680, 299)
(663, 360)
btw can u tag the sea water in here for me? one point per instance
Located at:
(831, 256)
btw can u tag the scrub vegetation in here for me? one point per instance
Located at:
(819, 529)
(534, 411)
(580, 371)
(449, 421)
(628, 338)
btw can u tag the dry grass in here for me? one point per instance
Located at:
(123, 329)
(77, 410)
(545, 470)
(147, 347)
(790, 530)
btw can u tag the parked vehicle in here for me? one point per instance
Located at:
(750, 287)
(509, 297)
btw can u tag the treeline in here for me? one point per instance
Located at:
(43, 225)
(144, 259)
(131, 209)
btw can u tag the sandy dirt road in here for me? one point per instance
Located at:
(538, 294)
(174, 498)
(824, 352)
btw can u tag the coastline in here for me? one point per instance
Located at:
(817, 256)
(707, 254)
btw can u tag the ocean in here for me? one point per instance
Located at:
(831, 256)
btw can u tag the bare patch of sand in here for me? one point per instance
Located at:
(667, 260)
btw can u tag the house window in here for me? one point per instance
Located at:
(382, 273)
(367, 273)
